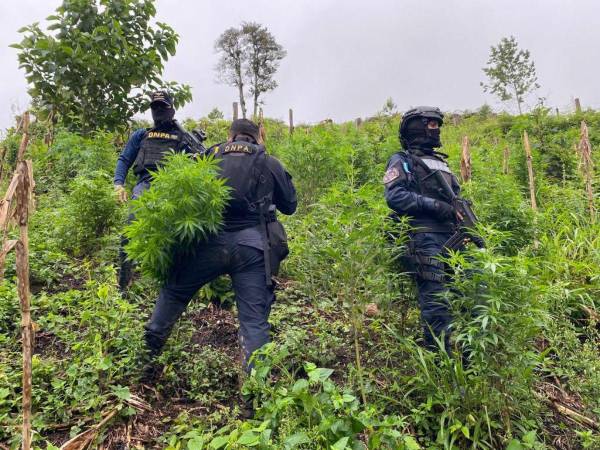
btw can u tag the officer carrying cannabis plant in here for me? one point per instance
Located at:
(144, 151)
(249, 247)
(415, 182)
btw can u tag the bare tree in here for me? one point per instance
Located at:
(263, 55)
(250, 56)
(510, 71)
(230, 69)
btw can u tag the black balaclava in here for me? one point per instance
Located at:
(162, 115)
(418, 135)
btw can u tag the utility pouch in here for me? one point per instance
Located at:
(278, 244)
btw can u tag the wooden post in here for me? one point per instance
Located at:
(291, 121)
(505, 160)
(23, 194)
(261, 127)
(235, 110)
(22, 248)
(21, 188)
(358, 122)
(2, 156)
(465, 160)
(557, 112)
(577, 105)
(587, 165)
(530, 170)
(25, 137)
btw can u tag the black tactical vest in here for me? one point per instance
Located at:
(243, 165)
(153, 148)
(425, 182)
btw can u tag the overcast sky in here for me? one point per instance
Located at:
(346, 57)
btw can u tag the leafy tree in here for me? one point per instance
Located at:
(215, 114)
(95, 62)
(510, 71)
(263, 55)
(230, 66)
(389, 107)
(250, 56)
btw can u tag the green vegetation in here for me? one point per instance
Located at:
(527, 308)
(183, 206)
(97, 60)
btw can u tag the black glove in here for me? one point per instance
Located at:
(444, 211)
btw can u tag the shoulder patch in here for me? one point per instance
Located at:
(390, 175)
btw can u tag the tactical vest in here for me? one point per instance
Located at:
(153, 148)
(424, 179)
(243, 167)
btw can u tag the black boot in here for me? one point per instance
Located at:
(151, 372)
(125, 268)
(151, 368)
(246, 407)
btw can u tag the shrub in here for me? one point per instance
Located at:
(88, 214)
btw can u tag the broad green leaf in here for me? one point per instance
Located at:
(514, 445)
(340, 444)
(249, 438)
(196, 443)
(295, 440)
(219, 442)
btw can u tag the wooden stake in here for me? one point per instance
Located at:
(577, 105)
(358, 122)
(22, 249)
(291, 121)
(587, 165)
(465, 160)
(21, 188)
(25, 137)
(235, 110)
(505, 160)
(530, 170)
(261, 127)
(2, 157)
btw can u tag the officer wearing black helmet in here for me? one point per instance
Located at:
(144, 151)
(412, 191)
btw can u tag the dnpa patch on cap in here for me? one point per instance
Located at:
(161, 97)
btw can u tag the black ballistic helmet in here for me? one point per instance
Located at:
(416, 119)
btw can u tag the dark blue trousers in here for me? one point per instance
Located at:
(125, 265)
(238, 254)
(435, 313)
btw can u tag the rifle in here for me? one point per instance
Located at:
(468, 220)
(192, 141)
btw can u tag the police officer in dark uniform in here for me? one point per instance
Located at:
(412, 190)
(249, 247)
(144, 150)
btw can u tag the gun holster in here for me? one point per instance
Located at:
(421, 266)
(276, 243)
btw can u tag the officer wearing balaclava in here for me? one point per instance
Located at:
(412, 191)
(144, 151)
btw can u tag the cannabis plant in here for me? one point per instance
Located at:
(183, 206)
